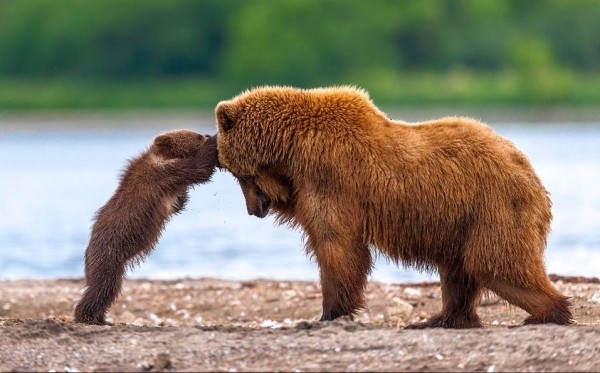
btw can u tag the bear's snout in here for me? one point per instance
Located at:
(261, 207)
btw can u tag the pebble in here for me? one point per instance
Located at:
(398, 311)
(127, 317)
(139, 322)
(288, 294)
(270, 324)
(162, 362)
(183, 313)
(412, 293)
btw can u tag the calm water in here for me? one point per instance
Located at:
(52, 182)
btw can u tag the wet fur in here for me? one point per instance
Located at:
(153, 187)
(445, 195)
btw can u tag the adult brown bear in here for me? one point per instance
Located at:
(446, 195)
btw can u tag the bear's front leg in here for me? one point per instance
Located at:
(343, 269)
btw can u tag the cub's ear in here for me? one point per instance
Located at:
(163, 142)
(225, 114)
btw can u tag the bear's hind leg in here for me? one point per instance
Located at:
(542, 302)
(104, 272)
(460, 296)
(96, 300)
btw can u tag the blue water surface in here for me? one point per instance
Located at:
(53, 179)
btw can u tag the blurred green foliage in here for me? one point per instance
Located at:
(114, 53)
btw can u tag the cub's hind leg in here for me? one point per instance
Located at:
(104, 280)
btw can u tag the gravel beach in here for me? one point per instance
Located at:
(210, 324)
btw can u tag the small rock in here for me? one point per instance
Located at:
(162, 361)
(398, 311)
(595, 297)
(270, 324)
(154, 318)
(364, 317)
(288, 294)
(127, 317)
(412, 293)
(139, 322)
(183, 313)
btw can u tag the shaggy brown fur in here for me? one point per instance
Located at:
(153, 187)
(446, 195)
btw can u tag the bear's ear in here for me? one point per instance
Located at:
(163, 142)
(225, 116)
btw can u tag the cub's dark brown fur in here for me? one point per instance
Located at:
(153, 187)
(447, 195)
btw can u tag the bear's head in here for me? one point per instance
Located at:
(271, 138)
(245, 136)
(182, 144)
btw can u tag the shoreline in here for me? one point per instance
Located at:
(159, 118)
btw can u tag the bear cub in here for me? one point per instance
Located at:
(153, 187)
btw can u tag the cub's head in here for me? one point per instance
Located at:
(183, 144)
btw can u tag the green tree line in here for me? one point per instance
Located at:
(379, 44)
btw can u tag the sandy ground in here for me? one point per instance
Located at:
(211, 324)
